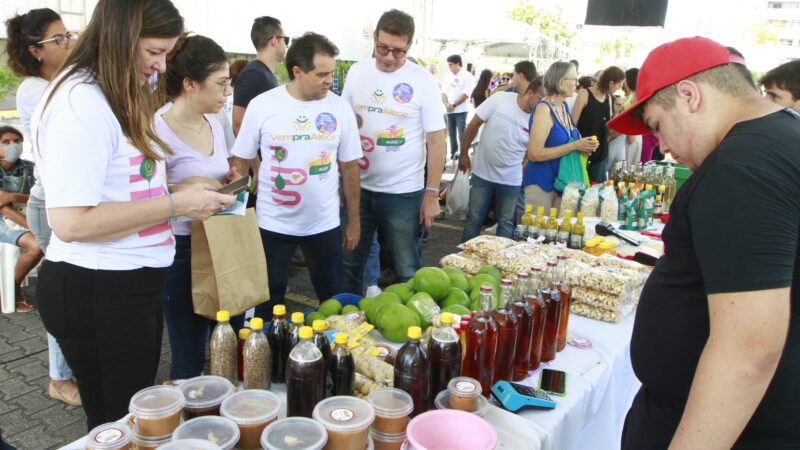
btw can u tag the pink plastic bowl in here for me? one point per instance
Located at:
(450, 429)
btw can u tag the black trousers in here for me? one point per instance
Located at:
(109, 325)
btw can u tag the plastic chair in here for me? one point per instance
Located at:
(8, 261)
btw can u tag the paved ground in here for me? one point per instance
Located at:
(31, 420)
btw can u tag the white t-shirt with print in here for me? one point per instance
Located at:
(301, 143)
(394, 110)
(85, 159)
(504, 140)
(456, 84)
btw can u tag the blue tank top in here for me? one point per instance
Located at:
(543, 174)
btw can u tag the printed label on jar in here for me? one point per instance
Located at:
(465, 386)
(342, 415)
(108, 436)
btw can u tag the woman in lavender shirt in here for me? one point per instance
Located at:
(197, 83)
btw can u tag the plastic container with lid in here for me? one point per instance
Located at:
(189, 444)
(607, 248)
(590, 247)
(347, 420)
(219, 430)
(109, 436)
(442, 401)
(464, 393)
(294, 433)
(392, 408)
(382, 441)
(144, 443)
(204, 395)
(252, 411)
(451, 429)
(157, 410)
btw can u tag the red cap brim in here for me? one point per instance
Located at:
(629, 122)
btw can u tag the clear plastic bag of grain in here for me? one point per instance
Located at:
(484, 245)
(609, 280)
(462, 261)
(590, 202)
(571, 198)
(609, 204)
(591, 312)
(518, 258)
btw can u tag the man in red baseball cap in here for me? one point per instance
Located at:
(715, 343)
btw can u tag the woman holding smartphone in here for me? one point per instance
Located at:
(108, 202)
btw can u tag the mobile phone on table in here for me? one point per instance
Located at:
(553, 382)
(235, 187)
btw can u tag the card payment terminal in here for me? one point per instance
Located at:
(513, 396)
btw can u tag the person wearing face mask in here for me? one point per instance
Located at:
(16, 179)
(36, 47)
(197, 83)
(99, 288)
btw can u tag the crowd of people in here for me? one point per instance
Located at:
(135, 125)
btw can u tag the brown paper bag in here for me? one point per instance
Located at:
(229, 269)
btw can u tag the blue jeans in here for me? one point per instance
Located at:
(372, 270)
(188, 332)
(481, 194)
(398, 216)
(456, 123)
(323, 255)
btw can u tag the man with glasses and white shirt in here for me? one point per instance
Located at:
(401, 122)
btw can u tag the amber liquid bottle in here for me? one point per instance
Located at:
(524, 313)
(341, 368)
(444, 353)
(481, 343)
(539, 310)
(277, 336)
(324, 346)
(412, 371)
(552, 298)
(305, 375)
(565, 291)
(507, 333)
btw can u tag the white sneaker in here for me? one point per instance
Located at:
(372, 291)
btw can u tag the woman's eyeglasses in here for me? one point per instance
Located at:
(384, 50)
(506, 79)
(62, 40)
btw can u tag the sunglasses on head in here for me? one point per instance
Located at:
(61, 40)
(286, 39)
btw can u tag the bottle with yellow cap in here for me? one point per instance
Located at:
(223, 348)
(278, 335)
(243, 335)
(565, 229)
(257, 358)
(324, 345)
(305, 376)
(444, 352)
(412, 371)
(294, 332)
(551, 228)
(341, 369)
(577, 233)
(539, 223)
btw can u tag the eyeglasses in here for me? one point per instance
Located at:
(286, 39)
(506, 79)
(62, 40)
(384, 50)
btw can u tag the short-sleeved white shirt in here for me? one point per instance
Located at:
(84, 160)
(457, 84)
(394, 110)
(29, 93)
(301, 143)
(504, 140)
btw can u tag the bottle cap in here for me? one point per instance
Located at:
(340, 338)
(536, 269)
(551, 264)
(446, 318)
(506, 282)
(561, 257)
(567, 214)
(319, 325)
(522, 275)
(553, 211)
(223, 316)
(591, 244)
(256, 323)
(658, 197)
(414, 332)
(306, 332)
(486, 289)
(528, 207)
(607, 245)
(648, 186)
(279, 310)
(243, 333)
(540, 210)
(662, 188)
(298, 317)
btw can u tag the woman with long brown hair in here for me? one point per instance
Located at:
(109, 204)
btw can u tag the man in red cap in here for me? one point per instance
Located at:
(715, 342)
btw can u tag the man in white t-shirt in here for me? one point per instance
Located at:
(497, 163)
(457, 88)
(308, 138)
(400, 117)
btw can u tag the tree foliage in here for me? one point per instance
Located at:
(617, 49)
(765, 33)
(8, 82)
(547, 18)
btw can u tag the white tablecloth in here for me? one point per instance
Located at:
(600, 388)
